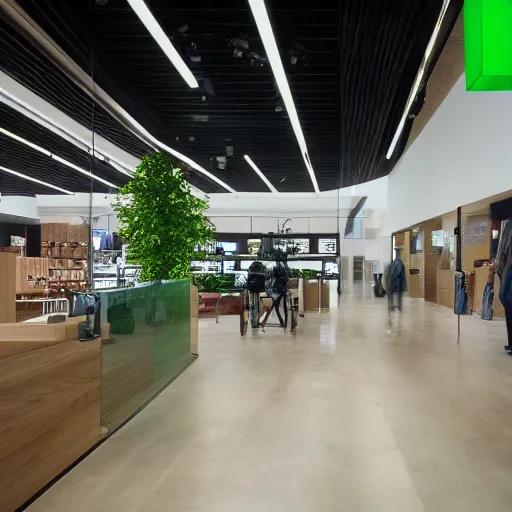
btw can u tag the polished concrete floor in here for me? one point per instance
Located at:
(348, 414)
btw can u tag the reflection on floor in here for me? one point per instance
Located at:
(348, 414)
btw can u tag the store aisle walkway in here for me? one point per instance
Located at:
(345, 415)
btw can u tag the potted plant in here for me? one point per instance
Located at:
(162, 221)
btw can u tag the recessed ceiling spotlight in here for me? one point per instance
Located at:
(34, 180)
(260, 14)
(221, 162)
(163, 41)
(134, 125)
(230, 149)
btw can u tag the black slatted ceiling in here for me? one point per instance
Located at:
(26, 65)
(31, 131)
(18, 157)
(356, 62)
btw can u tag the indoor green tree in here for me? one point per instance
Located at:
(161, 219)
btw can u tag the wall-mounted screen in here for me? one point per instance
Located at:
(229, 247)
(301, 245)
(438, 238)
(327, 246)
(253, 246)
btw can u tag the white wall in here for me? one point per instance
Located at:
(464, 154)
(309, 213)
(19, 206)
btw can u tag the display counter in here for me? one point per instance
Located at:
(316, 294)
(59, 396)
(50, 403)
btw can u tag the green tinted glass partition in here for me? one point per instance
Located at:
(149, 344)
(488, 44)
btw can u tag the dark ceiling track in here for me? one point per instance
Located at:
(383, 43)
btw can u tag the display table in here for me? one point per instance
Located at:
(50, 405)
(27, 309)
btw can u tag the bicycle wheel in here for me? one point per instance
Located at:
(244, 312)
(255, 310)
(293, 314)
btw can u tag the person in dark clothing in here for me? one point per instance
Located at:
(396, 282)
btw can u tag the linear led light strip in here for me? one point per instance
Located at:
(261, 175)
(418, 79)
(55, 157)
(163, 41)
(36, 116)
(260, 14)
(139, 130)
(28, 178)
(85, 82)
(31, 113)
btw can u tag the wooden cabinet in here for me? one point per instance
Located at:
(7, 287)
(50, 405)
(310, 289)
(446, 288)
(432, 257)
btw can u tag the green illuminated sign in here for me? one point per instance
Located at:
(488, 44)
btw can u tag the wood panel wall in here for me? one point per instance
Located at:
(7, 287)
(50, 407)
(446, 288)
(431, 260)
(470, 253)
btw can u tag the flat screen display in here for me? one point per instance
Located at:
(229, 247)
(438, 238)
(327, 246)
(253, 246)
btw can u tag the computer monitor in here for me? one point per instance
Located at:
(229, 247)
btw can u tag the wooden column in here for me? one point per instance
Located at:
(7, 287)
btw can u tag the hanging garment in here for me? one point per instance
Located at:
(504, 270)
(504, 256)
(505, 294)
(461, 297)
(109, 241)
(487, 300)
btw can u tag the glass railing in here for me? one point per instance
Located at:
(148, 344)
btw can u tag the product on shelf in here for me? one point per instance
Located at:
(66, 247)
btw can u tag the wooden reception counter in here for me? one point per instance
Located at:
(59, 397)
(50, 405)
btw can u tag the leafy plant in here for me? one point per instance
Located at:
(213, 283)
(304, 272)
(161, 219)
